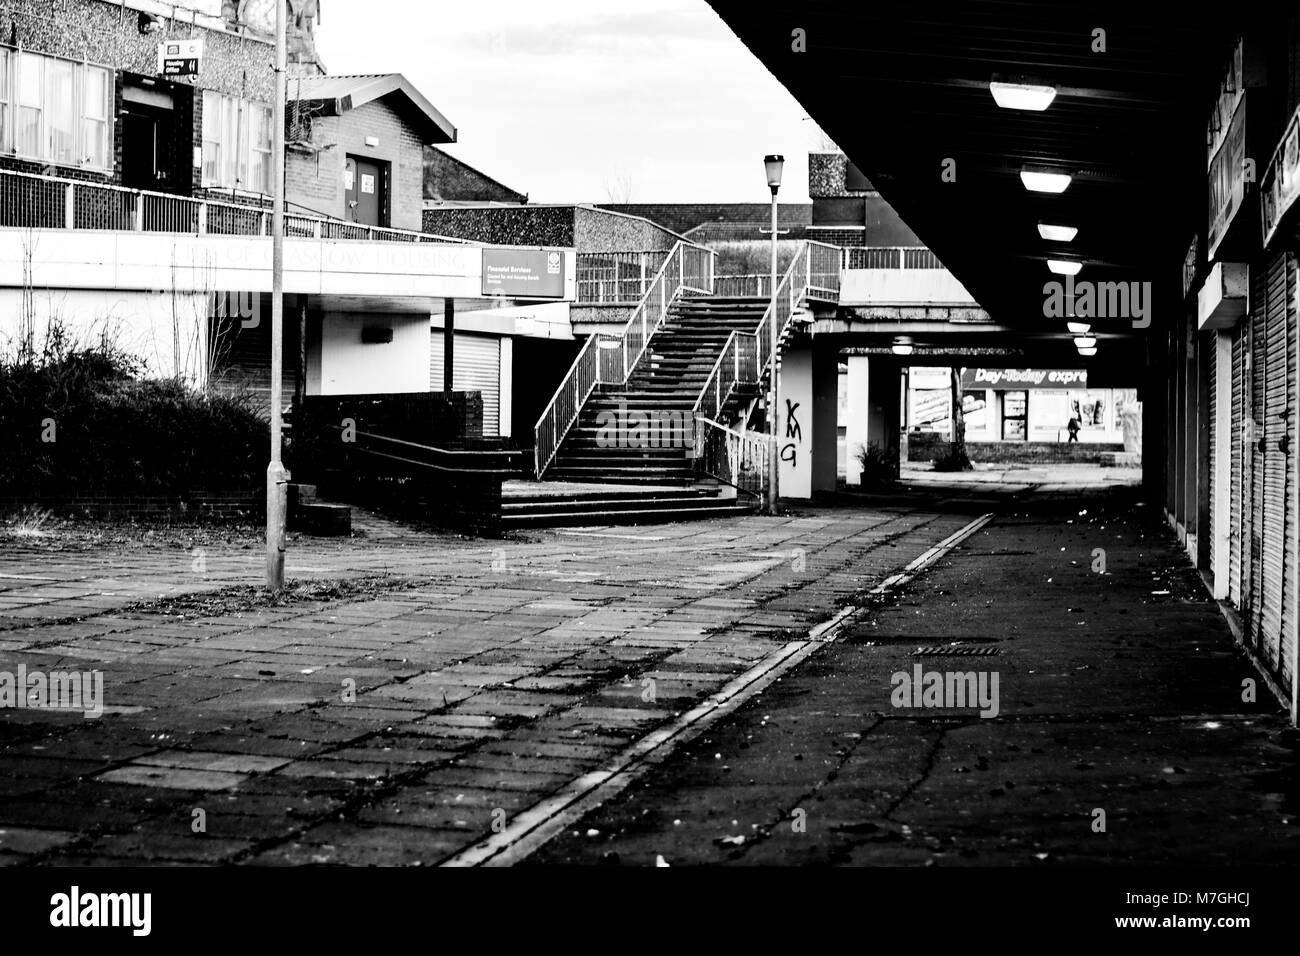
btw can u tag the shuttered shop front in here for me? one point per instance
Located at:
(1269, 463)
(476, 367)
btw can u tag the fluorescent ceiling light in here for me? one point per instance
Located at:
(902, 349)
(1088, 353)
(1038, 181)
(1078, 328)
(1064, 267)
(1022, 96)
(1057, 233)
(1085, 342)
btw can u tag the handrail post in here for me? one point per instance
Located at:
(70, 207)
(203, 219)
(138, 225)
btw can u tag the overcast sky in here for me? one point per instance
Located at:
(578, 100)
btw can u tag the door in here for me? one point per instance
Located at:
(364, 191)
(1015, 416)
(152, 157)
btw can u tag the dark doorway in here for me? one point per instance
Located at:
(152, 145)
(365, 191)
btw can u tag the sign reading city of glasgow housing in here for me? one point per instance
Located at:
(531, 273)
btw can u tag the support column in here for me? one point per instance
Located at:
(795, 436)
(884, 393)
(857, 412)
(825, 411)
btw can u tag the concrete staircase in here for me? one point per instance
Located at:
(600, 447)
(571, 505)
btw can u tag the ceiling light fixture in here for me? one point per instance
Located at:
(1088, 353)
(1078, 328)
(1022, 96)
(1085, 342)
(1042, 181)
(1057, 233)
(1064, 267)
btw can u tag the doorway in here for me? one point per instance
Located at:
(365, 191)
(151, 140)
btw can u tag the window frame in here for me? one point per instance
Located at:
(234, 150)
(85, 154)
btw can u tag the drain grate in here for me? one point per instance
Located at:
(956, 650)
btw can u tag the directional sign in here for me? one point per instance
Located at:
(180, 57)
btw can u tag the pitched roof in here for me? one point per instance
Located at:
(335, 95)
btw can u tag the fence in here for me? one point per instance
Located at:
(617, 277)
(889, 257)
(47, 202)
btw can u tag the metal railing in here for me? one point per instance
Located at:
(736, 458)
(889, 257)
(610, 360)
(814, 273)
(608, 278)
(32, 201)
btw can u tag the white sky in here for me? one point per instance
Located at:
(565, 100)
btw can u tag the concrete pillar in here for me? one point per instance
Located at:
(825, 415)
(796, 436)
(809, 419)
(857, 412)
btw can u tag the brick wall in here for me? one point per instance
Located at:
(599, 230)
(519, 225)
(447, 178)
(681, 217)
(315, 179)
(246, 505)
(927, 446)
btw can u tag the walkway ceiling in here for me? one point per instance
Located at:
(904, 87)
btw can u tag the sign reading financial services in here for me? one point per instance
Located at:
(530, 273)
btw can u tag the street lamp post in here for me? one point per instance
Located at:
(774, 166)
(276, 476)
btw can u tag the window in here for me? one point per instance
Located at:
(55, 110)
(236, 143)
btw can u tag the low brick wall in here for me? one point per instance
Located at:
(928, 446)
(223, 506)
(350, 471)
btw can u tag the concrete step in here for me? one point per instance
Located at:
(323, 519)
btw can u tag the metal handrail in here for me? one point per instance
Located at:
(736, 458)
(744, 359)
(593, 366)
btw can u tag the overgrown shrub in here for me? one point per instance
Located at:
(879, 465)
(82, 422)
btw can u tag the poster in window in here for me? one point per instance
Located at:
(367, 183)
(349, 179)
(1013, 429)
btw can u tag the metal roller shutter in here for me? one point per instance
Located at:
(1237, 508)
(1212, 375)
(477, 368)
(1254, 458)
(1287, 637)
(1275, 465)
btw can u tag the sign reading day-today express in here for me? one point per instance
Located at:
(537, 273)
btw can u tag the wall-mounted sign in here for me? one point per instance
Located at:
(1231, 90)
(180, 57)
(523, 272)
(1189, 265)
(1023, 378)
(1280, 183)
(1227, 180)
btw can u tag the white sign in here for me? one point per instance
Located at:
(180, 57)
